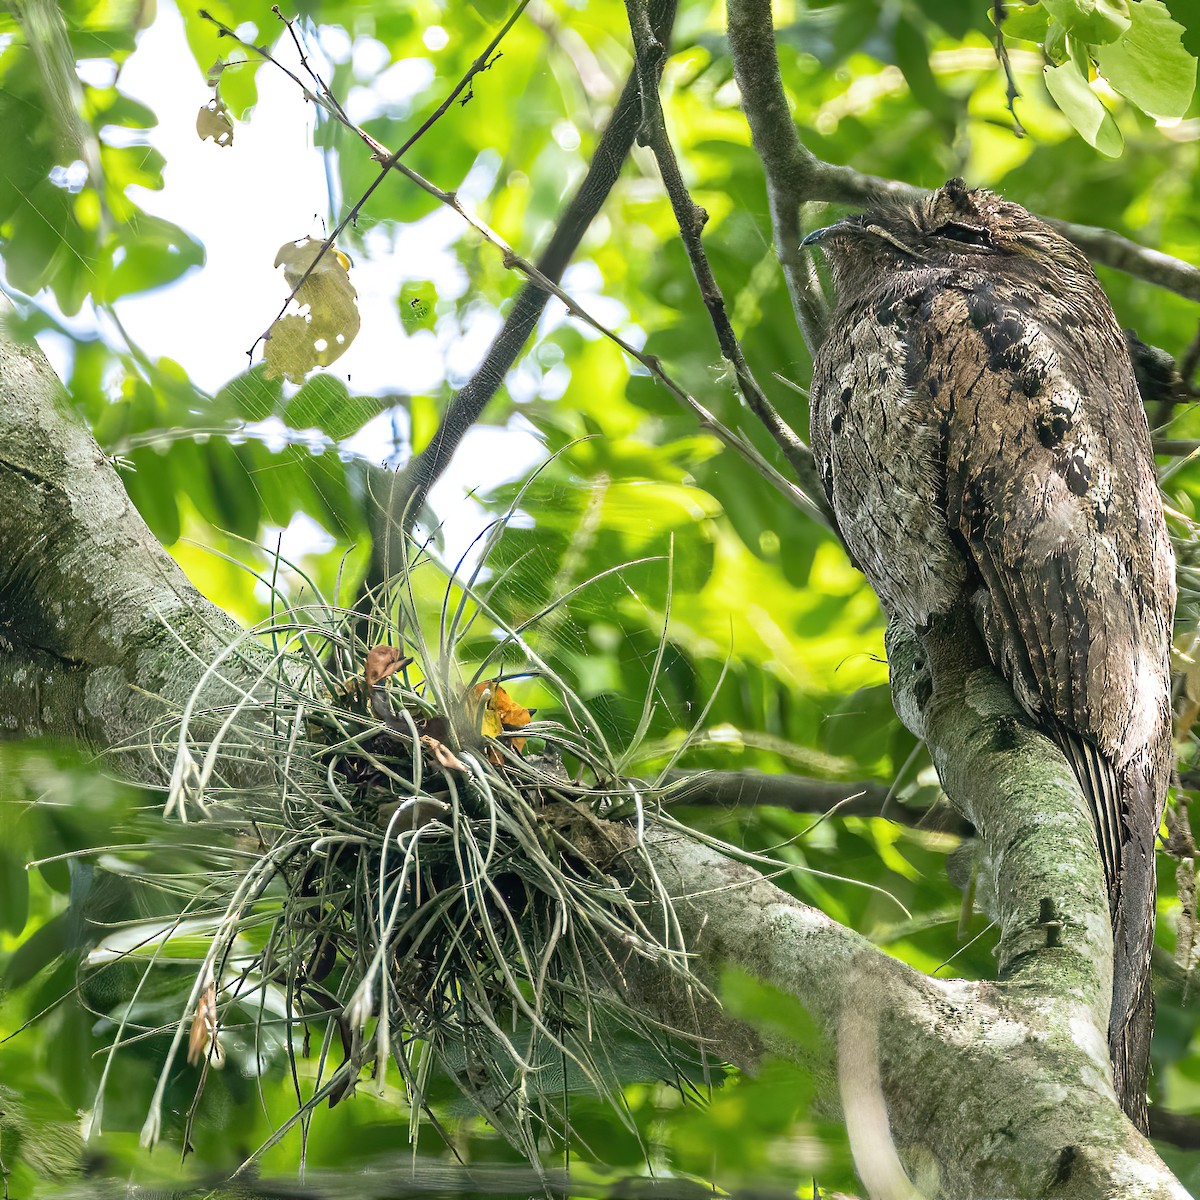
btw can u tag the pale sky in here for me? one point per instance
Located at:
(244, 201)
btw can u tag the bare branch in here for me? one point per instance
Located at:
(1179, 1129)
(1113, 250)
(650, 54)
(787, 163)
(844, 185)
(468, 404)
(803, 794)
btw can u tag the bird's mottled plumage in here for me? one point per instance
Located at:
(977, 424)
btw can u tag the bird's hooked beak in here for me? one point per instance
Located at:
(819, 235)
(858, 226)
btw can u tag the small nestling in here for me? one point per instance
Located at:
(982, 443)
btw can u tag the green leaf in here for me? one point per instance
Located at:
(14, 893)
(1025, 21)
(1092, 21)
(1055, 45)
(152, 489)
(148, 252)
(238, 501)
(251, 396)
(322, 403)
(424, 416)
(1083, 108)
(1149, 65)
(912, 57)
(492, 11)
(37, 952)
(325, 403)
(237, 81)
(418, 305)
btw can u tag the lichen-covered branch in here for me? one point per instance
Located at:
(105, 636)
(992, 1089)
(1044, 881)
(93, 613)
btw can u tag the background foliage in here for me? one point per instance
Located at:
(903, 88)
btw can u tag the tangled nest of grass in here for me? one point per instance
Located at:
(417, 871)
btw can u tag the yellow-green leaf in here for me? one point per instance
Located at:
(1149, 65)
(1082, 107)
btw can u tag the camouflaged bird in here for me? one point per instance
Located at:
(980, 438)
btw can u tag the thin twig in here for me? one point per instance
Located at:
(388, 160)
(323, 88)
(650, 55)
(804, 794)
(1010, 83)
(514, 261)
(1189, 361)
(652, 363)
(1112, 249)
(468, 404)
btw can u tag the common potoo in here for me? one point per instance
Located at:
(980, 437)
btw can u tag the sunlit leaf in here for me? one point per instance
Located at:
(1083, 108)
(1092, 21)
(1025, 21)
(1148, 63)
(328, 319)
(213, 121)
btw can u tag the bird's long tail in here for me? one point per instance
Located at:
(1125, 806)
(1131, 1021)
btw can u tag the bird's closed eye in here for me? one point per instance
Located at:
(971, 235)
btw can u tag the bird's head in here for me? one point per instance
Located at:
(956, 228)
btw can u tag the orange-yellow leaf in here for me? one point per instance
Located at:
(501, 713)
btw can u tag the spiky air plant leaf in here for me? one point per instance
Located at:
(406, 870)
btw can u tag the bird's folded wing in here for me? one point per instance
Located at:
(1050, 484)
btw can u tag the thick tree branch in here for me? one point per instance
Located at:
(1018, 791)
(92, 611)
(1004, 1087)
